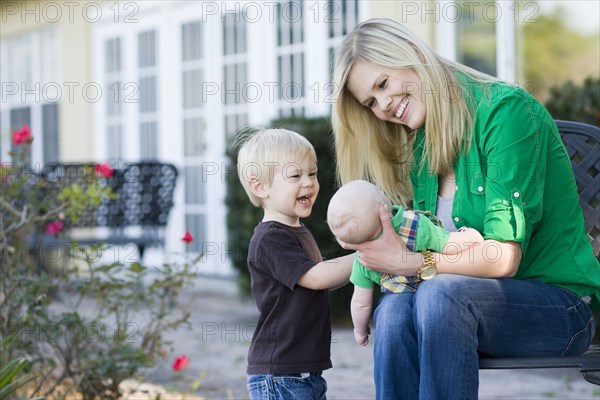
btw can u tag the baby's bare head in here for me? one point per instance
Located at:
(352, 214)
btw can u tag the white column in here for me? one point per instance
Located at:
(262, 69)
(97, 73)
(505, 42)
(316, 65)
(445, 32)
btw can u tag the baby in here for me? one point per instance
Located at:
(353, 218)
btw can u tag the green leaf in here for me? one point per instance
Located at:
(107, 267)
(10, 370)
(137, 267)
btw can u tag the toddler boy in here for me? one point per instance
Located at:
(290, 282)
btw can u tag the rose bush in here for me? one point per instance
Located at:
(88, 326)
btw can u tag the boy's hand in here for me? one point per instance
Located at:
(362, 338)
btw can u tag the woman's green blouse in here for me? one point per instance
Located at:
(515, 183)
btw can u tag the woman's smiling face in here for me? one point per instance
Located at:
(393, 95)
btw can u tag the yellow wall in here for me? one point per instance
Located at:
(75, 118)
(410, 13)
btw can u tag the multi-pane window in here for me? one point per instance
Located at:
(196, 223)
(50, 123)
(20, 60)
(19, 117)
(194, 142)
(114, 142)
(112, 56)
(234, 122)
(32, 91)
(194, 139)
(234, 34)
(290, 68)
(113, 99)
(148, 140)
(289, 22)
(148, 92)
(290, 57)
(194, 185)
(235, 74)
(341, 17)
(192, 95)
(191, 43)
(192, 76)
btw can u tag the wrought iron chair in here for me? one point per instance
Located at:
(583, 145)
(144, 199)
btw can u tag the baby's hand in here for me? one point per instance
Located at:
(362, 338)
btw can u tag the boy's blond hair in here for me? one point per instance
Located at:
(263, 152)
(352, 214)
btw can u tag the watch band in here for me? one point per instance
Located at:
(429, 268)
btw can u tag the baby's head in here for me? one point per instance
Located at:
(353, 215)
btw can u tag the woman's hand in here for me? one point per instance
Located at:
(388, 253)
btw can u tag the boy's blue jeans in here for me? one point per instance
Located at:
(305, 386)
(427, 342)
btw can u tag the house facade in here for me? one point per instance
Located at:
(121, 81)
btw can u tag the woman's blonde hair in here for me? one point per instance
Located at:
(380, 151)
(264, 152)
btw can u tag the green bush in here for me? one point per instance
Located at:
(13, 374)
(573, 102)
(242, 216)
(90, 325)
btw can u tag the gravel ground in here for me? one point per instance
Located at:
(222, 326)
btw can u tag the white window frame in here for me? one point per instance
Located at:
(446, 39)
(32, 92)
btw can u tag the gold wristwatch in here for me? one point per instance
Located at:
(428, 270)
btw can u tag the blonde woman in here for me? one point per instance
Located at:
(438, 136)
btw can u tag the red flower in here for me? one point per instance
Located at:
(22, 135)
(187, 238)
(105, 170)
(55, 227)
(180, 363)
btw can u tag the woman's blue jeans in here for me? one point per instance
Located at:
(427, 343)
(305, 386)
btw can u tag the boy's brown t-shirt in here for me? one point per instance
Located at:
(293, 332)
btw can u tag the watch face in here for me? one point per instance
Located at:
(428, 273)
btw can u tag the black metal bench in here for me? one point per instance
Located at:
(583, 145)
(137, 215)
